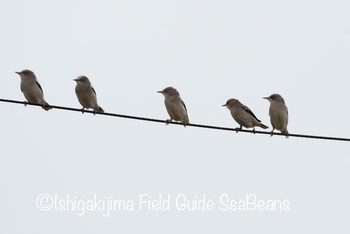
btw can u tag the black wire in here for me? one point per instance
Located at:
(177, 123)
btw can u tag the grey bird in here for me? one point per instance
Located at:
(86, 94)
(243, 115)
(31, 89)
(278, 113)
(174, 105)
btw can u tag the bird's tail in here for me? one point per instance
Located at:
(100, 110)
(46, 106)
(263, 126)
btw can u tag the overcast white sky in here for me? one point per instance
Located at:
(210, 51)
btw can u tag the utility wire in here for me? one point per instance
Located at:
(177, 123)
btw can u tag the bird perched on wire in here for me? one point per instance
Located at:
(243, 115)
(31, 89)
(86, 94)
(174, 105)
(278, 113)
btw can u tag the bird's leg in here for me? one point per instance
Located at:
(254, 130)
(25, 103)
(168, 121)
(239, 129)
(272, 132)
(94, 112)
(82, 110)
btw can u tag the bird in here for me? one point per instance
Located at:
(278, 113)
(86, 94)
(31, 89)
(243, 115)
(175, 107)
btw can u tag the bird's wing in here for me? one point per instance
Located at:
(39, 86)
(184, 105)
(250, 112)
(93, 90)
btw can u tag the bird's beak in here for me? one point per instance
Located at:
(224, 105)
(75, 79)
(18, 73)
(159, 91)
(266, 98)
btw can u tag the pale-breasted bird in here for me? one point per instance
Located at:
(31, 89)
(174, 105)
(243, 115)
(86, 94)
(278, 113)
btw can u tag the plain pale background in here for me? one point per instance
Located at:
(210, 51)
